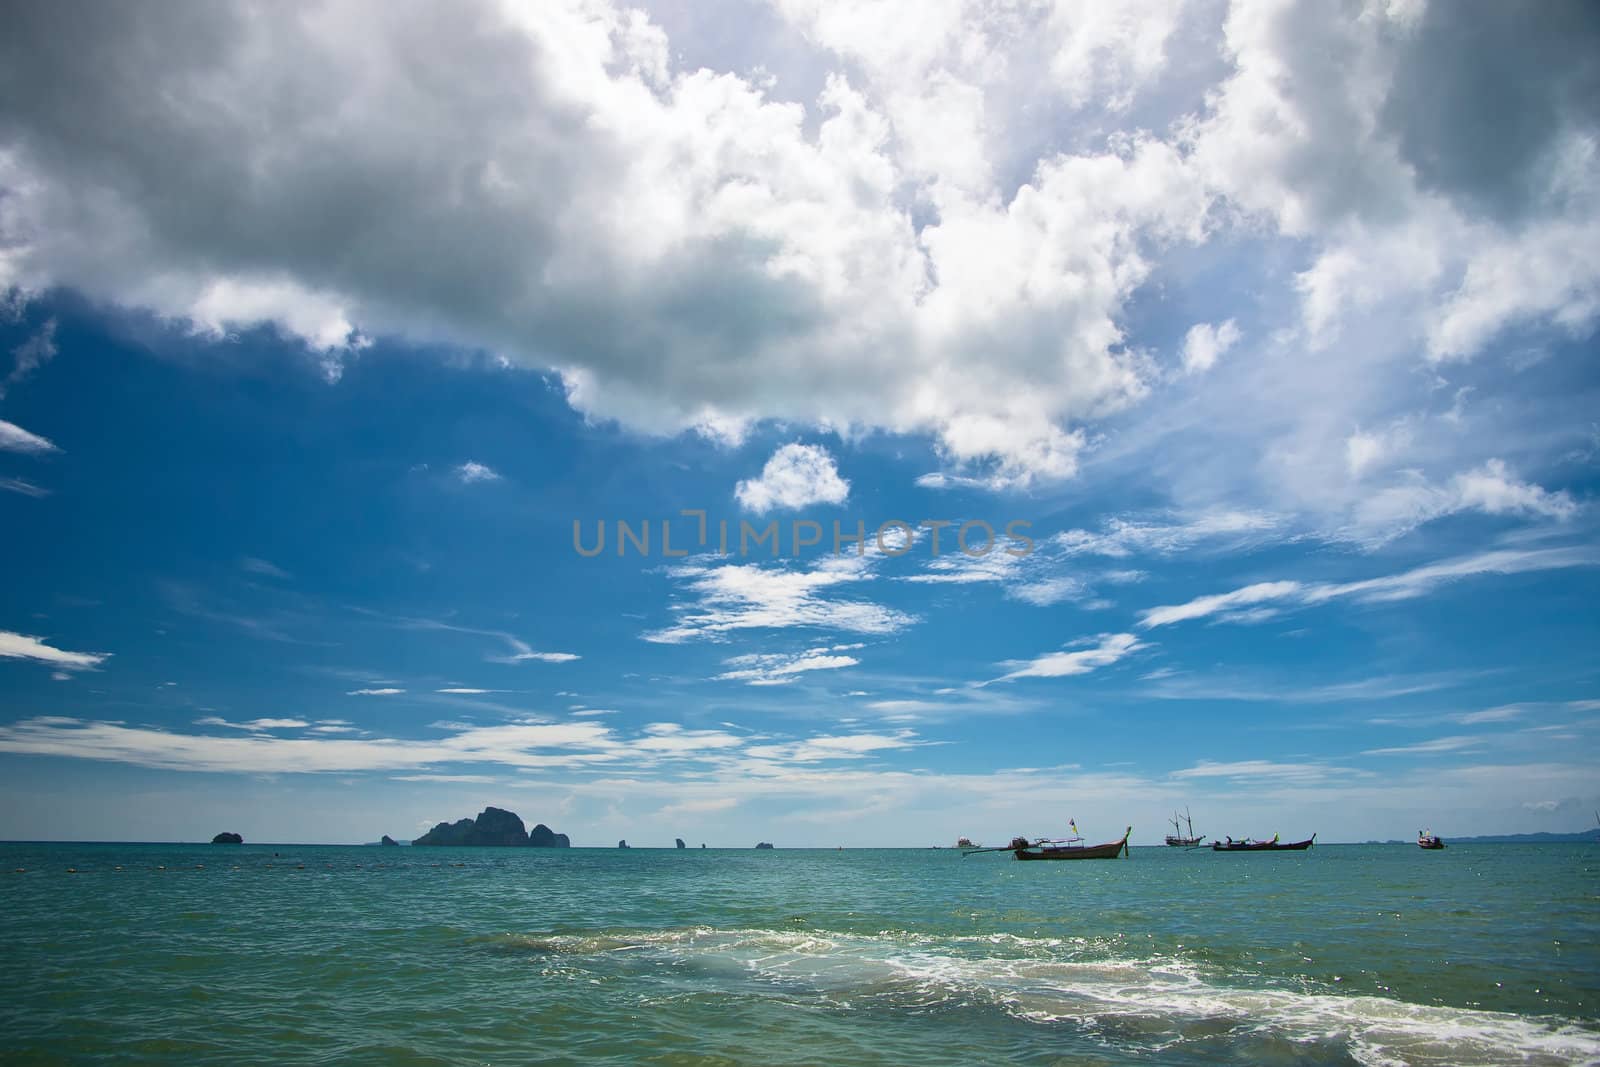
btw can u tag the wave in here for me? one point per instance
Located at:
(1151, 1004)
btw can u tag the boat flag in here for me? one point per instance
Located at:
(1073, 823)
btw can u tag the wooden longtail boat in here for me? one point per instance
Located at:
(1024, 849)
(1274, 845)
(1429, 840)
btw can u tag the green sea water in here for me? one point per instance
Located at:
(1480, 954)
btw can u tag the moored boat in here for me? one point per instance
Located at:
(1429, 840)
(1179, 839)
(1070, 849)
(1248, 845)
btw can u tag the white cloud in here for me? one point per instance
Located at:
(517, 650)
(1403, 586)
(472, 472)
(744, 596)
(779, 668)
(23, 486)
(385, 692)
(1428, 748)
(1123, 537)
(1490, 489)
(464, 691)
(685, 249)
(30, 355)
(14, 438)
(833, 747)
(938, 229)
(255, 724)
(263, 567)
(1205, 342)
(521, 744)
(1103, 651)
(796, 476)
(1201, 607)
(21, 646)
(1255, 770)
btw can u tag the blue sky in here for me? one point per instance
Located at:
(1288, 381)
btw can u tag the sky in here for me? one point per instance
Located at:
(812, 422)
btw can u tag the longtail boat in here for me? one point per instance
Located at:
(1179, 839)
(1429, 840)
(1069, 849)
(1247, 845)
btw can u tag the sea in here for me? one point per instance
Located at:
(1346, 954)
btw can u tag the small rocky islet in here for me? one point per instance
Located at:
(494, 827)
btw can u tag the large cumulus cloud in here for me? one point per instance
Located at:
(944, 241)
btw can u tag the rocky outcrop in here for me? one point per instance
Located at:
(387, 840)
(226, 838)
(679, 840)
(764, 844)
(542, 836)
(494, 827)
(622, 844)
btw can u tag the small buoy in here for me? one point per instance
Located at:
(119, 867)
(161, 867)
(72, 870)
(199, 866)
(22, 870)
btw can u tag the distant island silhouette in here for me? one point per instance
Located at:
(226, 838)
(494, 827)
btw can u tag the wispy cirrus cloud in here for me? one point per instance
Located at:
(1121, 538)
(1403, 586)
(256, 724)
(1101, 651)
(266, 568)
(1251, 771)
(386, 691)
(517, 650)
(730, 597)
(14, 438)
(22, 486)
(1430, 748)
(21, 646)
(30, 355)
(782, 668)
(523, 744)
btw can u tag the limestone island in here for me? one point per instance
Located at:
(387, 840)
(765, 844)
(226, 838)
(495, 827)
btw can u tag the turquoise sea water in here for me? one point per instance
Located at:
(1480, 954)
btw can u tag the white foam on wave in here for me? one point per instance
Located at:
(1159, 1002)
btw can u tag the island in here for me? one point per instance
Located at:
(679, 840)
(226, 838)
(765, 844)
(622, 844)
(494, 827)
(387, 840)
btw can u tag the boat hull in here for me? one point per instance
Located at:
(1432, 845)
(1108, 851)
(1184, 842)
(1263, 846)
